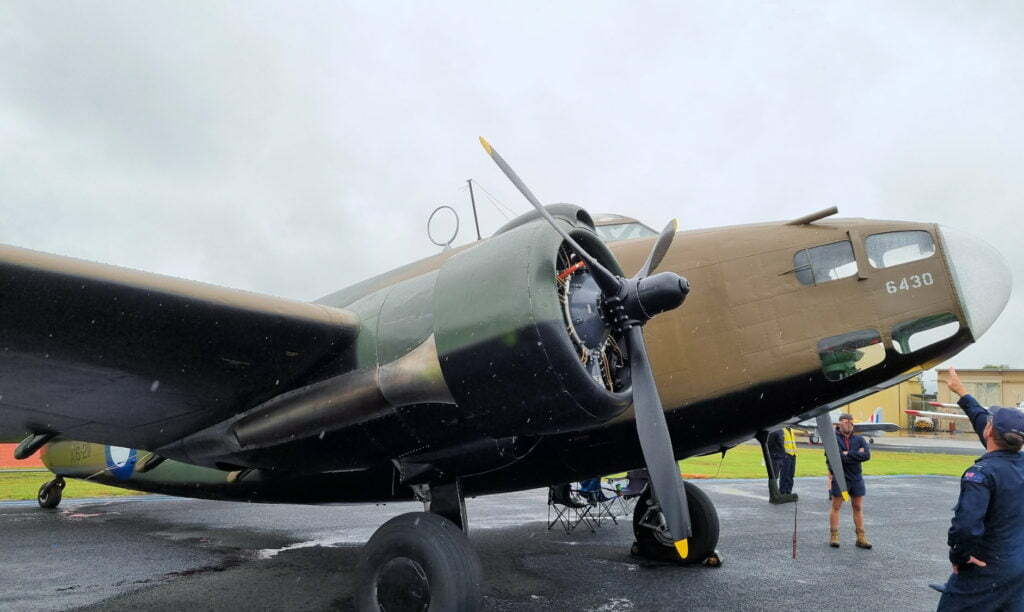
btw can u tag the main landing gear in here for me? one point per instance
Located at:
(654, 542)
(422, 560)
(50, 493)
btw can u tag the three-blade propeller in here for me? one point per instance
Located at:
(628, 304)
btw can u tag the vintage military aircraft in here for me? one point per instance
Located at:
(514, 362)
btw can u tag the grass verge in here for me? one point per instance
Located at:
(15, 486)
(744, 461)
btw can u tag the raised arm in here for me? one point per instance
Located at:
(978, 415)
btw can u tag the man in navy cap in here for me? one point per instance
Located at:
(986, 539)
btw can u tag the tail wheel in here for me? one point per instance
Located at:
(419, 561)
(653, 540)
(50, 493)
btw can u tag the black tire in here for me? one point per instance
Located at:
(50, 495)
(419, 561)
(703, 521)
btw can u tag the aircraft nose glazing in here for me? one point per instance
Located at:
(981, 276)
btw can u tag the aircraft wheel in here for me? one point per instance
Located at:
(50, 493)
(652, 543)
(418, 561)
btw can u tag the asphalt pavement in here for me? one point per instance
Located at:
(159, 553)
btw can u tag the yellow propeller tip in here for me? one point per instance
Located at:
(683, 548)
(487, 145)
(846, 496)
(675, 225)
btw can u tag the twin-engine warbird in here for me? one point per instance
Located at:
(514, 362)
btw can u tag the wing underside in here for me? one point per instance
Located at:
(106, 354)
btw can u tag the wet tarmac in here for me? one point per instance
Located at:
(158, 553)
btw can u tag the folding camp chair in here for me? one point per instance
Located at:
(604, 501)
(626, 497)
(613, 505)
(569, 511)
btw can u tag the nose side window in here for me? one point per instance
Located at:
(895, 248)
(844, 355)
(915, 335)
(824, 263)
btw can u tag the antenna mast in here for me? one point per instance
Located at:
(472, 201)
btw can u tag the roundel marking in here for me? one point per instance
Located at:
(121, 461)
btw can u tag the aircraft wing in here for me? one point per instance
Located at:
(874, 427)
(106, 354)
(937, 415)
(857, 428)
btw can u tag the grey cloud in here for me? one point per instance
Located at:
(293, 149)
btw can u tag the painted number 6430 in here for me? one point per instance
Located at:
(909, 282)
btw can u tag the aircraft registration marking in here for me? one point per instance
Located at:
(908, 283)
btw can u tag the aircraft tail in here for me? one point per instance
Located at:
(876, 416)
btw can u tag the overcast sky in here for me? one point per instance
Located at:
(298, 148)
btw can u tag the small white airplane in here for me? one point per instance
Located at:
(871, 426)
(925, 420)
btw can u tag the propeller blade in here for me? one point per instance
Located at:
(835, 461)
(657, 444)
(660, 248)
(608, 282)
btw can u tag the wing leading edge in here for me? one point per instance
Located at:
(107, 354)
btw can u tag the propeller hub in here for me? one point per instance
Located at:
(641, 299)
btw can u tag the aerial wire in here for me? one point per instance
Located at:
(498, 203)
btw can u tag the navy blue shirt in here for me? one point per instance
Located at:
(988, 521)
(857, 452)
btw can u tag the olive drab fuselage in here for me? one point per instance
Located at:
(462, 367)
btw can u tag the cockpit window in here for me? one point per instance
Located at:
(895, 248)
(624, 231)
(824, 263)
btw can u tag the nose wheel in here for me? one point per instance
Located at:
(50, 493)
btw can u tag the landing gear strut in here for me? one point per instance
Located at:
(422, 560)
(655, 543)
(50, 493)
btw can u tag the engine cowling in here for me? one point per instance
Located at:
(522, 350)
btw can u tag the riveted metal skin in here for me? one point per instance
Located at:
(741, 356)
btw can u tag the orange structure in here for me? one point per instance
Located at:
(7, 459)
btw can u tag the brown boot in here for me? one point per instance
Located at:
(834, 540)
(862, 540)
